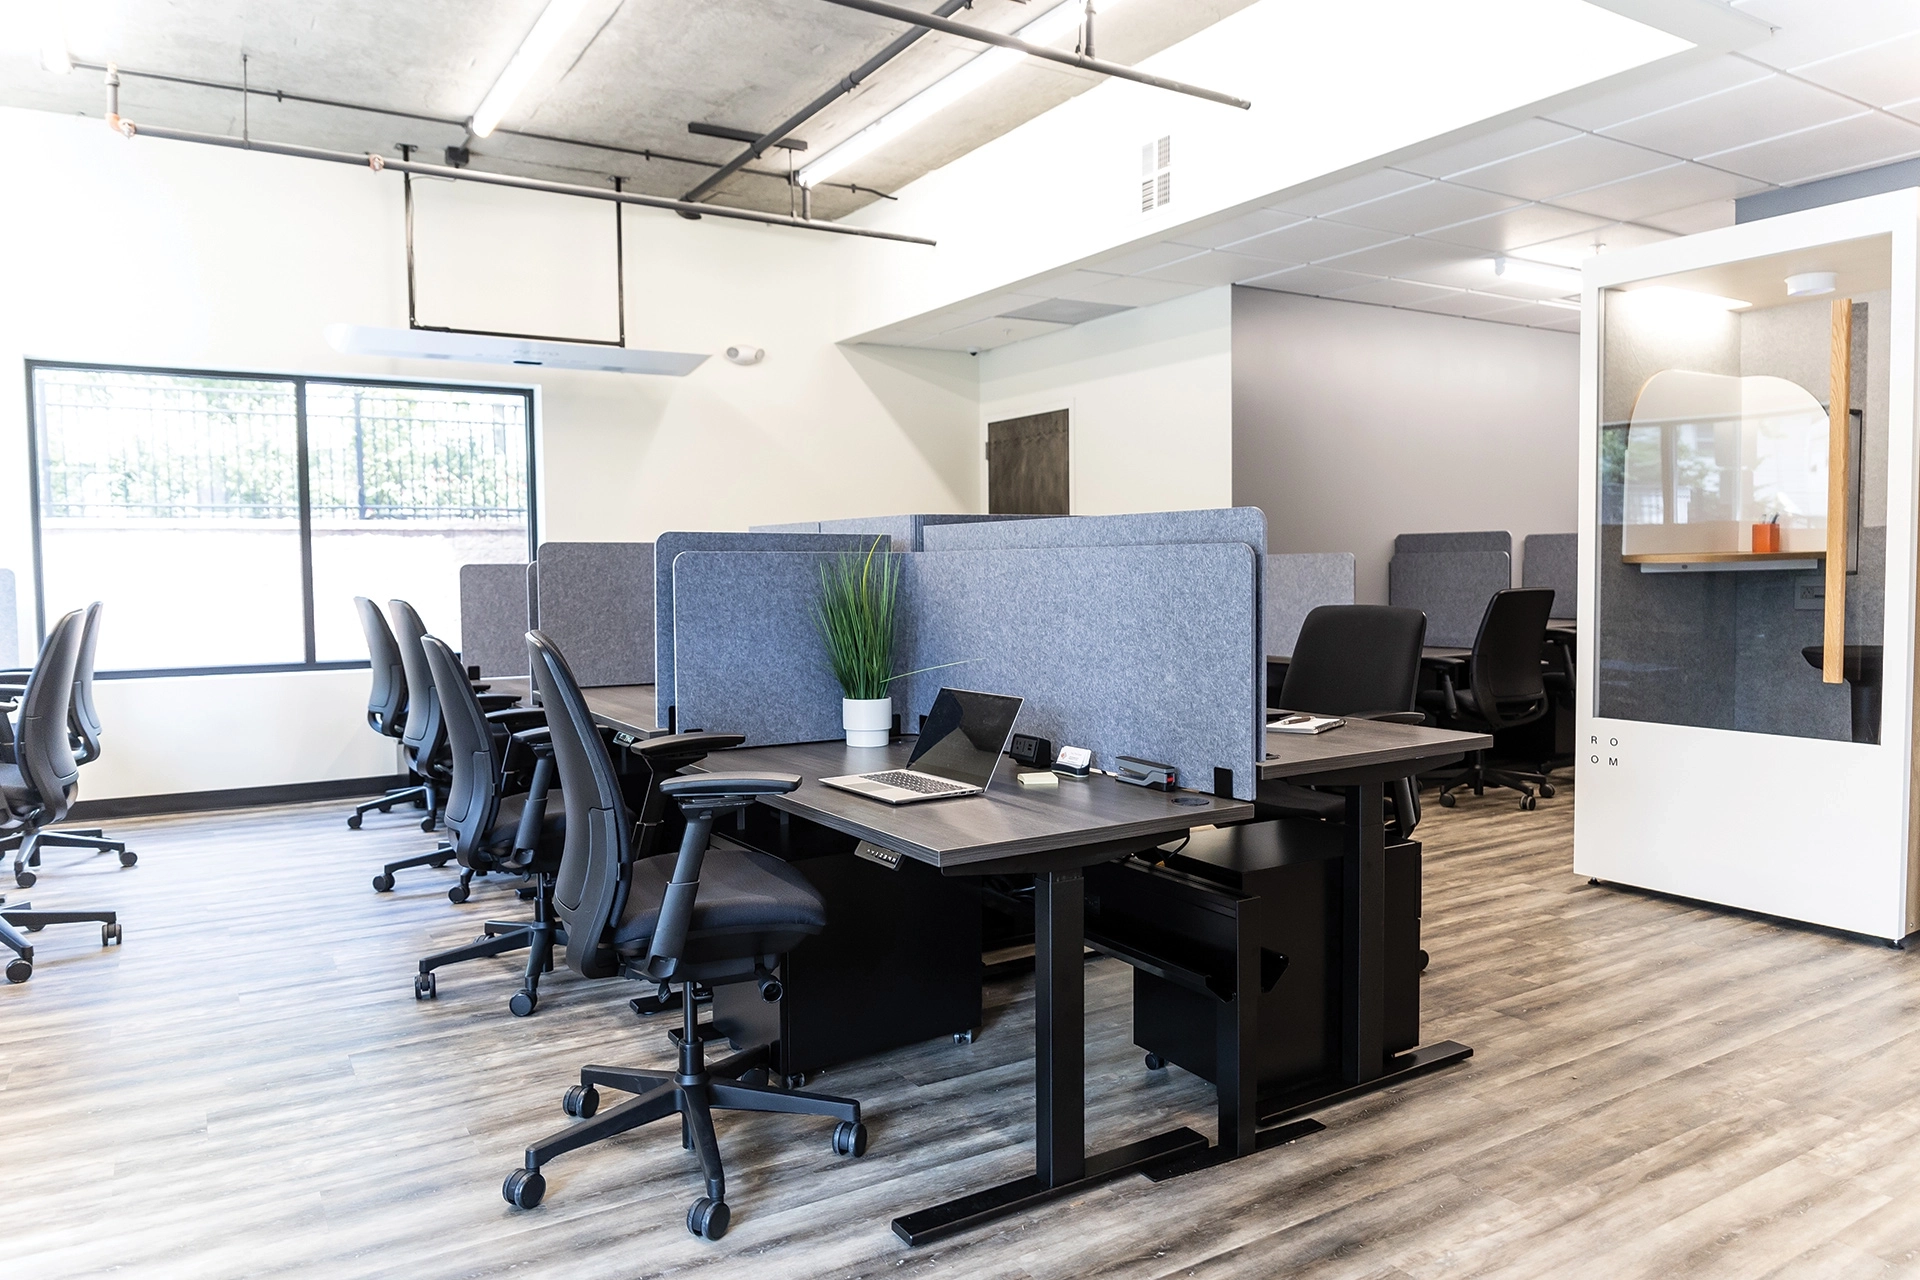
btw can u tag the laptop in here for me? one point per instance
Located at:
(959, 748)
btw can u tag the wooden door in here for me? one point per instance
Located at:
(1027, 465)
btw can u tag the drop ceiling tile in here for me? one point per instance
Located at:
(981, 308)
(987, 334)
(1528, 224)
(1574, 165)
(1137, 291)
(1467, 303)
(1246, 225)
(1657, 93)
(1510, 141)
(1067, 311)
(1080, 285)
(1409, 257)
(1538, 315)
(1569, 322)
(1809, 30)
(1733, 118)
(1212, 269)
(1571, 251)
(1323, 282)
(1422, 208)
(1880, 74)
(1144, 258)
(1907, 110)
(1395, 293)
(1675, 187)
(1310, 241)
(1352, 191)
(1709, 216)
(1858, 143)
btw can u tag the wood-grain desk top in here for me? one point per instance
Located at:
(1008, 821)
(1362, 744)
(628, 707)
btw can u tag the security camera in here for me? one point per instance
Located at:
(746, 355)
(973, 351)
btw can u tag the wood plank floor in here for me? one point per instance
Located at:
(247, 1087)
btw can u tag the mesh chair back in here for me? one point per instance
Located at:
(42, 748)
(1355, 658)
(590, 889)
(83, 719)
(387, 699)
(1505, 669)
(425, 728)
(473, 796)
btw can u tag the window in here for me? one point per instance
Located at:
(228, 521)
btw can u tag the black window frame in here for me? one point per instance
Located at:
(300, 382)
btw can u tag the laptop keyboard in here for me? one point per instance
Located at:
(912, 782)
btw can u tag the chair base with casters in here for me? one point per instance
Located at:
(26, 849)
(537, 937)
(695, 1092)
(23, 916)
(1479, 774)
(420, 796)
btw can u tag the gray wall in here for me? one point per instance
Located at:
(1353, 423)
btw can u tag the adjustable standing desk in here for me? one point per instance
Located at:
(625, 707)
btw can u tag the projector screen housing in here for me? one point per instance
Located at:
(474, 348)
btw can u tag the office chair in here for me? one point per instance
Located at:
(1504, 688)
(1360, 662)
(387, 708)
(708, 915)
(37, 785)
(83, 728)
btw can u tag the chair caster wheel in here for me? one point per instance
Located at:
(438, 863)
(523, 1003)
(1425, 959)
(426, 987)
(1447, 801)
(19, 970)
(581, 1101)
(708, 1218)
(1156, 1063)
(109, 934)
(459, 893)
(1528, 802)
(963, 1037)
(850, 1138)
(128, 857)
(795, 1081)
(383, 883)
(1546, 789)
(24, 878)
(426, 824)
(523, 1188)
(353, 823)
(525, 894)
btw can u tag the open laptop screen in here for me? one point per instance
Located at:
(964, 735)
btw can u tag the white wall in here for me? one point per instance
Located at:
(148, 252)
(1149, 400)
(1353, 423)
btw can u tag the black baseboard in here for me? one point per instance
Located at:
(236, 798)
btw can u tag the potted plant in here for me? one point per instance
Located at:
(855, 617)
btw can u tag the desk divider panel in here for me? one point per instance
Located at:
(905, 530)
(1296, 586)
(493, 612)
(671, 545)
(596, 604)
(1551, 560)
(798, 526)
(1452, 587)
(1484, 540)
(9, 620)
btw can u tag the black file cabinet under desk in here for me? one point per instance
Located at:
(1256, 906)
(898, 963)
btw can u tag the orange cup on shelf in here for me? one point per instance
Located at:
(1766, 537)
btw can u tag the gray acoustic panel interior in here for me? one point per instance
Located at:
(1124, 650)
(669, 545)
(493, 618)
(1299, 584)
(748, 658)
(1452, 587)
(9, 620)
(533, 595)
(1485, 540)
(1552, 560)
(904, 531)
(596, 605)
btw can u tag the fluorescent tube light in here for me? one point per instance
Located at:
(53, 39)
(1537, 274)
(533, 51)
(1062, 19)
(1667, 295)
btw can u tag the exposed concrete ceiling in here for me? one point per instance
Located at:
(629, 73)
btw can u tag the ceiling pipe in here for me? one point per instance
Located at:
(1099, 66)
(378, 162)
(842, 87)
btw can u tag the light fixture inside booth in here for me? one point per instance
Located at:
(1812, 284)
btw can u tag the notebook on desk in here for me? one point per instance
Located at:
(959, 748)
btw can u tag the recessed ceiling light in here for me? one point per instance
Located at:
(1811, 284)
(547, 30)
(1537, 274)
(1667, 295)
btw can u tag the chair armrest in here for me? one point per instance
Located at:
(1392, 717)
(498, 701)
(516, 718)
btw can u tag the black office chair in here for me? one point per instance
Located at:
(1359, 662)
(83, 728)
(1504, 687)
(387, 708)
(37, 785)
(707, 916)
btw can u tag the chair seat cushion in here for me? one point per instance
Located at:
(742, 892)
(18, 794)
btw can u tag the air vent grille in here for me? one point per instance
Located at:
(1156, 174)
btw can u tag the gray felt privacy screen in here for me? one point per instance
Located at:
(1296, 586)
(1452, 587)
(493, 618)
(9, 620)
(1487, 540)
(669, 545)
(596, 605)
(1552, 560)
(905, 530)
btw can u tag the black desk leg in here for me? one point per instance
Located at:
(1363, 986)
(1236, 1040)
(1061, 1162)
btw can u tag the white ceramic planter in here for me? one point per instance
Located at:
(866, 720)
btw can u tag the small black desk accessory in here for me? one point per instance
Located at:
(1145, 773)
(1035, 753)
(1073, 762)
